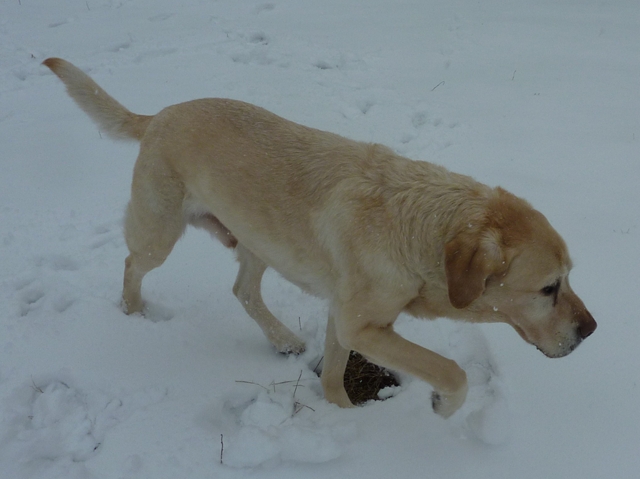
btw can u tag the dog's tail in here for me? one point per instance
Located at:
(112, 118)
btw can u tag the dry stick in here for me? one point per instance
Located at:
(297, 384)
(280, 383)
(315, 370)
(38, 389)
(274, 384)
(441, 83)
(221, 447)
(255, 384)
(299, 407)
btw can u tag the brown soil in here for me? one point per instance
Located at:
(363, 380)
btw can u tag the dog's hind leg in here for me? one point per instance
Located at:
(247, 290)
(153, 223)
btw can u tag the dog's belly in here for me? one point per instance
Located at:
(303, 267)
(292, 251)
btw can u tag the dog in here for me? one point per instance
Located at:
(372, 232)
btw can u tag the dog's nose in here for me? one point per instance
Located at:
(587, 326)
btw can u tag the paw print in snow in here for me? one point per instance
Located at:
(38, 290)
(53, 427)
(485, 413)
(107, 235)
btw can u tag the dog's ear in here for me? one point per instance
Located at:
(470, 258)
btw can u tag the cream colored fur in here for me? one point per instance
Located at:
(372, 232)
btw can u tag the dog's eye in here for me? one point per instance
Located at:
(550, 290)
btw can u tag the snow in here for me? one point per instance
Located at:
(538, 97)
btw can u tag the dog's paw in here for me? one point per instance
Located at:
(151, 311)
(437, 403)
(130, 307)
(446, 405)
(289, 349)
(288, 343)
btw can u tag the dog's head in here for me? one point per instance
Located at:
(513, 267)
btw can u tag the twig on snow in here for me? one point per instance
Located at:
(441, 83)
(295, 390)
(315, 370)
(36, 388)
(255, 384)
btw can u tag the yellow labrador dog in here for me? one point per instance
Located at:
(374, 233)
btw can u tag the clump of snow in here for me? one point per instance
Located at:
(273, 427)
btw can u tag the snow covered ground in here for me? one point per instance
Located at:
(540, 97)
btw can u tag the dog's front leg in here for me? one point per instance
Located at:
(335, 363)
(379, 343)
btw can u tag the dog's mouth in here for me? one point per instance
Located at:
(562, 351)
(564, 347)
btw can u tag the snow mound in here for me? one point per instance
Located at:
(272, 427)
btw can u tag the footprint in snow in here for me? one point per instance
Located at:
(30, 300)
(35, 297)
(156, 312)
(57, 262)
(259, 38)
(152, 54)
(36, 292)
(106, 235)
(419, 119)
(265, 7)
(255, 56)
(52, 426)
(485, 413)
(161, 17)
(118, 47)
(29, 294)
